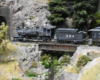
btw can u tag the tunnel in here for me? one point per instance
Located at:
(2, 19)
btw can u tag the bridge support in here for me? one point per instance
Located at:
(57, 47)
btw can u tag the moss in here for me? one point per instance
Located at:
(83, 60)
(34, 64)
(15, 79)
(31, 75)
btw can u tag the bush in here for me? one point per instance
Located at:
(83, 60)
(56, 62)
(34, 64)
(45, 57)
(47, 65)
(65, 60)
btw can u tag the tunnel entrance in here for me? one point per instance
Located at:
(2, 19)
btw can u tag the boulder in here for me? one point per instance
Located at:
(90, 51)
(66, 76)
(91, 71)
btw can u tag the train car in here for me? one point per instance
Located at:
(95, 35)
(70, 35)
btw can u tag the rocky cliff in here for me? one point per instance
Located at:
(29, 13)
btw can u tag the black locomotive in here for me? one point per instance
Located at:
(45, 33)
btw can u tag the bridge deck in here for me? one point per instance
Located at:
(58, 47)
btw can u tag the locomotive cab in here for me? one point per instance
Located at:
(46, 33)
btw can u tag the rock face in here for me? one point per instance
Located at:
(90, 51)
(91, 71)
(27, 13)
(19, 60)
(66, 76)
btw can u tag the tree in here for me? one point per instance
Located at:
(58, 12)
(3, 32)
(97, 15)
(83, 12)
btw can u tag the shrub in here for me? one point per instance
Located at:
(47, 65)
(65, 60)
(45, 57)
(34, 64)
(83, 60)
(55, 62)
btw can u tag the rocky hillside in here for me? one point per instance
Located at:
(23, 61)
(76, 70)
(28, 12)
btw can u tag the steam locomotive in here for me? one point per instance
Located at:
(45, 33)
(62, 35)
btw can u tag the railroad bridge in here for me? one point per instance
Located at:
(57, 47)
(5, 16)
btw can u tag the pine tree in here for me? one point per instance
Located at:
(58, 12)
(83, 12)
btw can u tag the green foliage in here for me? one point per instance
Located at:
(97, 15)
(3, 32)
(83, 12)
(65, 60)
(58, 11)
(46, 60)
(46, 64)
(15, 79)
(45, 57)
(55, 62)
(31, 75)
(83, 60)
(34, 64)
(88, 53)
